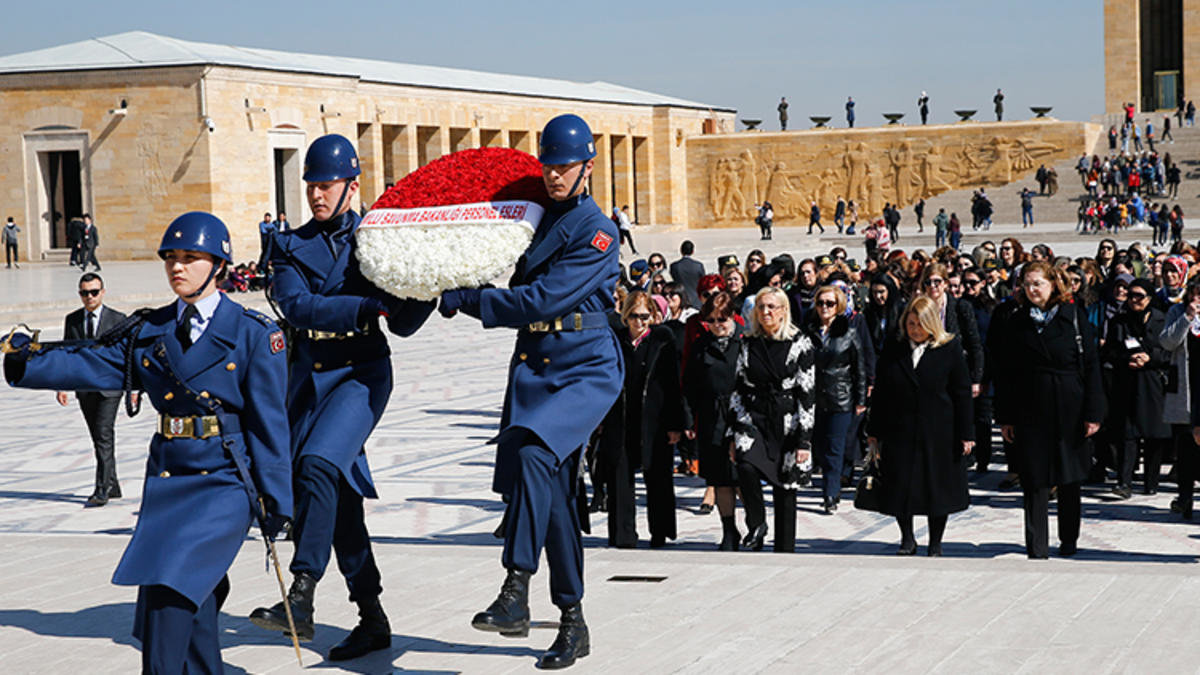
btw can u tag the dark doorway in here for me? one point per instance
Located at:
(1162, 54)
(64, 192)
(284, 160)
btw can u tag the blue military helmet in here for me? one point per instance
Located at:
(330, 157)
(197, 231)
(565, 140)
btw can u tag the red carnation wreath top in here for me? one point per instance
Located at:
(468, 177)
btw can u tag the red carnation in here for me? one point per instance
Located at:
(469, 176)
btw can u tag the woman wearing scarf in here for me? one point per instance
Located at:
(1174, 276)
(646, 419)
(1135, 351)
(1048, 402)
(1181, 337)
(772, 415)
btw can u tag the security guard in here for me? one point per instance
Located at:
(216, 372)
(338, 386)
(566, 358)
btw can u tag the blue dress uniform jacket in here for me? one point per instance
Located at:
(195, 510)
(560, 384)
(338, 388)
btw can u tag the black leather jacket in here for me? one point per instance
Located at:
(840, 366)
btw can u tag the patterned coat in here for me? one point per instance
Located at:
(773, 406)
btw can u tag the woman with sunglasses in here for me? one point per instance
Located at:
(1049, 400)
(708, 380)
(958, 318)
(1134, 350)
(646, 419)
(772, 410)
(1181, 338)
(842, 380)
(1106, 253)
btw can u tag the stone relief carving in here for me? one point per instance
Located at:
(149, 152)
(901, 171)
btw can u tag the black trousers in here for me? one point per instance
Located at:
(329, 515)
(100, 413)
(750, 481)
(626, 235)
(1037, 518)
(1187, 463)
(1152, 459)
(87, 255)
(622, 497)
(10, 253)
(983, 432)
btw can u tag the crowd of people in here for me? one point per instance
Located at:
(820, 371)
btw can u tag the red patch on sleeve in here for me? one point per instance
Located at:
(601, 241)
(277, 342)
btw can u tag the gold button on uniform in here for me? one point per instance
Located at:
(317, 365)
(524, 356)
(545, 360)
(165, 474)
(168, 396)
(204, 473)
(231, 366)
(145, 363)
(204, 394)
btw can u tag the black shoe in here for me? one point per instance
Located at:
(657, 541)
(1066, 550)
(508, 614)
(934, 550)
(300, 597)
(599, 502)
(704, 509)
(729, 541)
(572, 642)
(1010, 482)
(97, 499)
(1149, 490)
(1175, 508)
(1122, 491)
(114, 492)
(372, 633)
(830, 508)
(907, 548)
(754, 538)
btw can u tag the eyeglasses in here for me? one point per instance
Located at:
(971, 283)
(657, 263)
(1106, 247)
(1138, 296)
(933, 281)
(758, 261)
(825, 303)
(716, 322)
(660, 283)
(1076, 281)
(640, 316)
(94, 292)
(1006, 247)
(710, 293)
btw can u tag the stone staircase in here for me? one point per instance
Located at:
(1062, 207)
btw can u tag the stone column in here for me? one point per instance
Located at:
(1123, 54)
(1191, 50)
(602, 174)
(622, 163)
(370, 155)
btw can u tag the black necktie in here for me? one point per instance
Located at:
(184, 331)
(91, 326)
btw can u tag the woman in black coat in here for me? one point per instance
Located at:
(958, 318)
(841, 386)
(771, 417)
(647, 417)
(1048, 402)
(708, 379)
(883, 311)
(921, 425)
(1139, 363)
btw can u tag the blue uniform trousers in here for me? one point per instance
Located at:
(329, 514)
(829, 443)
(542, 513)
(177, 636)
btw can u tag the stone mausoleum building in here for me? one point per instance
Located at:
(136, 128)
(1151, 53)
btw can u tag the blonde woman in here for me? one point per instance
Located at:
(922, 425)
(773, 409)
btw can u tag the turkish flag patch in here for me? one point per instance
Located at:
(277, 342)
(601, 241)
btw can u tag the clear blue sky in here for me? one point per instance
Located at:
(739, 54)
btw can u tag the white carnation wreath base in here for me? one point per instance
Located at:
(418, 253)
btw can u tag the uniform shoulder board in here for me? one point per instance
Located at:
(259, 317)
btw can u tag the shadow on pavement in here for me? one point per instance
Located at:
(42, 496)
(466, 411)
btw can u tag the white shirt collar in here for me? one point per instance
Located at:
(205, 309)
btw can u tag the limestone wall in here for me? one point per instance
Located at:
(729, 174)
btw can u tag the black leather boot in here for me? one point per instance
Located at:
(572, 642)
(371, 633)
(509, 612)
(300, 597)
(730, 534)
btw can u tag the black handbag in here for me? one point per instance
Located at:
(868, 494)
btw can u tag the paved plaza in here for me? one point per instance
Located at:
(1129, 602)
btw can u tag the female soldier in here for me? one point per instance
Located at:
(772, 411)
(216, 371)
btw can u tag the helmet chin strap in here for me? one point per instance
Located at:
(217, 265)
(578, 179)
(342, 199)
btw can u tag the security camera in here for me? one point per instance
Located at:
(212, 126)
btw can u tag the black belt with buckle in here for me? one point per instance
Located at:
(320, 335)
(570, 322)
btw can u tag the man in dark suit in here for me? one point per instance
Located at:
(74, 235)
(99, 407)
(88, 241)
(687, 271)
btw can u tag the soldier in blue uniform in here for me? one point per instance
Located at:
(216, 372)
(339, 383)
(566, 359)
